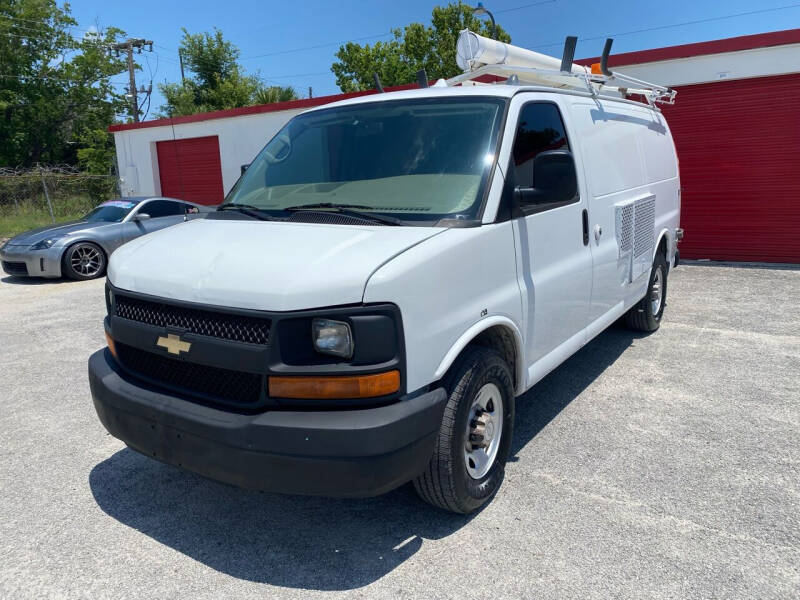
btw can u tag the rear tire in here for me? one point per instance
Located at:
(480, 404)
(646, 314)
(83, 261)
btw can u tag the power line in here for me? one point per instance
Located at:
(368, 37)
(660, 27)
(299, 75)
(60, 79)
(43, 23)
(46, 38)
(36, 30)
(505, 10)
(36, 21)
(165, 58)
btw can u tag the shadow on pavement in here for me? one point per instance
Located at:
(308, 542)
(15, 280)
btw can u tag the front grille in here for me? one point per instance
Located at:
(238, 328)
(212, 383)
(15, 268)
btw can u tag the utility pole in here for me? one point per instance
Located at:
(180, 58)
(310, 92)
(128, 46)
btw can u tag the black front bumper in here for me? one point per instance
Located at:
(362, 452)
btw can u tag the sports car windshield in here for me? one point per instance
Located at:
(420, 160)
(110, 212)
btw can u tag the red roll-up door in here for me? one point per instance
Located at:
(739, 148)
(190, 169)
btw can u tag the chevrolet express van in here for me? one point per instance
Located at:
(384, 280)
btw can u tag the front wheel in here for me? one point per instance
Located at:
(83, 260)
(470, 454)
(646, 314)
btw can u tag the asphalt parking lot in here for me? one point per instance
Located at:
(661, 466)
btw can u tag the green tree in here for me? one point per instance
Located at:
(56, 97)
(217, 81)
(275, 93)
(414, 47)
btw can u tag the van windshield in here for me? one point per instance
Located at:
(417, 160)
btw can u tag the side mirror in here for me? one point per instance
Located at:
(555, 182)
(244, 168)
(141, 216)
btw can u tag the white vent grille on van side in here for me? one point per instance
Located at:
(635, 232)
(645, 220)
(625, 228)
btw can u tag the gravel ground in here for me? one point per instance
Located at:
(660, 466)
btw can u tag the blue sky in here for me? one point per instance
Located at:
(293, 43)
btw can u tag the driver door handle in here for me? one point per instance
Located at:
(585, 218)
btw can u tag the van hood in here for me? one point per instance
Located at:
(260, 265)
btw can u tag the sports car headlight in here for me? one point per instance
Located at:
(45, 244)
(332, 337)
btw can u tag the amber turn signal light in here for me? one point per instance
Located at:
(335, 386)
(111, 346)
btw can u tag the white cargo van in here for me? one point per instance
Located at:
(386, 277)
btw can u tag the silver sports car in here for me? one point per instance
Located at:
(80, 249)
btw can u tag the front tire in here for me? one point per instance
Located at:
(470, 454)
(646, 314)
(83, 261)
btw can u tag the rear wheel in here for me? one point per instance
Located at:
(83, 260)
(646, 314)
(468, 462)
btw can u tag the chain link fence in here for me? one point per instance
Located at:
(53, 193)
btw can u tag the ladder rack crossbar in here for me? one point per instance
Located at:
(594, 83)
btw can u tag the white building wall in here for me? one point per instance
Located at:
(240, 139)
(758, 62)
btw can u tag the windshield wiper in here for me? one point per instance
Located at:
(247, 209)
(347, 209)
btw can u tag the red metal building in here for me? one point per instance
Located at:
(736, 125)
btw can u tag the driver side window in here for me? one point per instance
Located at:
(162, 208)
(540, 129)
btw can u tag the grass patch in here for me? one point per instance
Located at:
(14, 224)
(29, 215)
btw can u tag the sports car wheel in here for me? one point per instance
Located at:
(83, 261)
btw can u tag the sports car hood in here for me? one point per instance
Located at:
(260, 265)
(42, 233)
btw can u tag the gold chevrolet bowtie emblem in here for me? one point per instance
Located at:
(173, 344)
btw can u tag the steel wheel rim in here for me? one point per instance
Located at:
(484, 431)
(85, 260)
(657, 291)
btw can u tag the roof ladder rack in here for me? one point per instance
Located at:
(479, 56)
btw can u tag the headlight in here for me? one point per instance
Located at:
(45, 244)
(332, 337)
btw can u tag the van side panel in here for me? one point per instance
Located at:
(661, 166)
(608, 134)
(629, 161)
(460, 277)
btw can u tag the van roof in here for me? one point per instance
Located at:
(499, 89)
